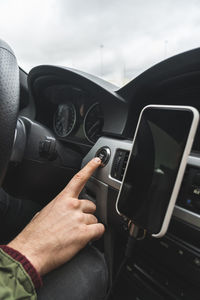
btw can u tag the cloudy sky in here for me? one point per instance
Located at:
(113, 39)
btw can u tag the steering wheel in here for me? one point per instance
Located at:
(9, 103)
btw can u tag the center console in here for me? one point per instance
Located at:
(167, 268)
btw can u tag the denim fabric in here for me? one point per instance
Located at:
(85, 277)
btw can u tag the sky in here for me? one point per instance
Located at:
(112, 39)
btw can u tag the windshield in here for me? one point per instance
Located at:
(115, 40)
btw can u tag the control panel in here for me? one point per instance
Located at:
(114, 155)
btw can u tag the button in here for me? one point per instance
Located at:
(104, 154)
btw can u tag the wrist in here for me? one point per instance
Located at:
(26, 264)
(28, 253)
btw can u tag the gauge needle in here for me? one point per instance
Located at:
(97, 123)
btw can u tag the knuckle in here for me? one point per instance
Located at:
(74, 203)
(90, 205)
(80, 218)
(94, 219)
(93, 206)
(79, 176)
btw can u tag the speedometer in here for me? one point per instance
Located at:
(93, 123)
(64, 119)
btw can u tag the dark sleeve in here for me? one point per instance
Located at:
(18, 278)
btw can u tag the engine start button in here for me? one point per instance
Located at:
(104, 154)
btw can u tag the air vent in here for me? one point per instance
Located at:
(119, 164)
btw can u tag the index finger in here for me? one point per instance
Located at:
(77, 183)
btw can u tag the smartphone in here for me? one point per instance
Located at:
(156, 165)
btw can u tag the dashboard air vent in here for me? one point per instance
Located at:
(119, 164)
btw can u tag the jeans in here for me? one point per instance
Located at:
(85, 277)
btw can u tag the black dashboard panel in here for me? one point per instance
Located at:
(51, 86)
(174, 81)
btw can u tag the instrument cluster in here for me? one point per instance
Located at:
(79, 119)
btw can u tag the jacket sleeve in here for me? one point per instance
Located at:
(15, 283)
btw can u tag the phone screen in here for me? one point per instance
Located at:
(153, 166)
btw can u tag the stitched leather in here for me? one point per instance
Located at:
(9, 103)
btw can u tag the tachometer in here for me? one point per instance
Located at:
(93, 123)
(64, 119)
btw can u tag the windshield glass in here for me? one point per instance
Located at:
(115, 40)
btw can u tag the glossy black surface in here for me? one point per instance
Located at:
(64, 119)
(153, 166)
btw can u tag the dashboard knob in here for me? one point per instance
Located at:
(104, 154)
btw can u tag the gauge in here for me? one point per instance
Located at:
(93, 123)
(64, 119)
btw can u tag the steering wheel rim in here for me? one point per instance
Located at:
(9, 103)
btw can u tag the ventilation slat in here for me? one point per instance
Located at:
(119, 164)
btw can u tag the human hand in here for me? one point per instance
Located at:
(61, 228)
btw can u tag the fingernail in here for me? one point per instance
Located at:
(97, 160)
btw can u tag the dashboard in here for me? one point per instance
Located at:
(72, 114)
(88, 124)
(82, 110)
(77, 110)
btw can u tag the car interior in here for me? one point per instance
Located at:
(65, 118)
